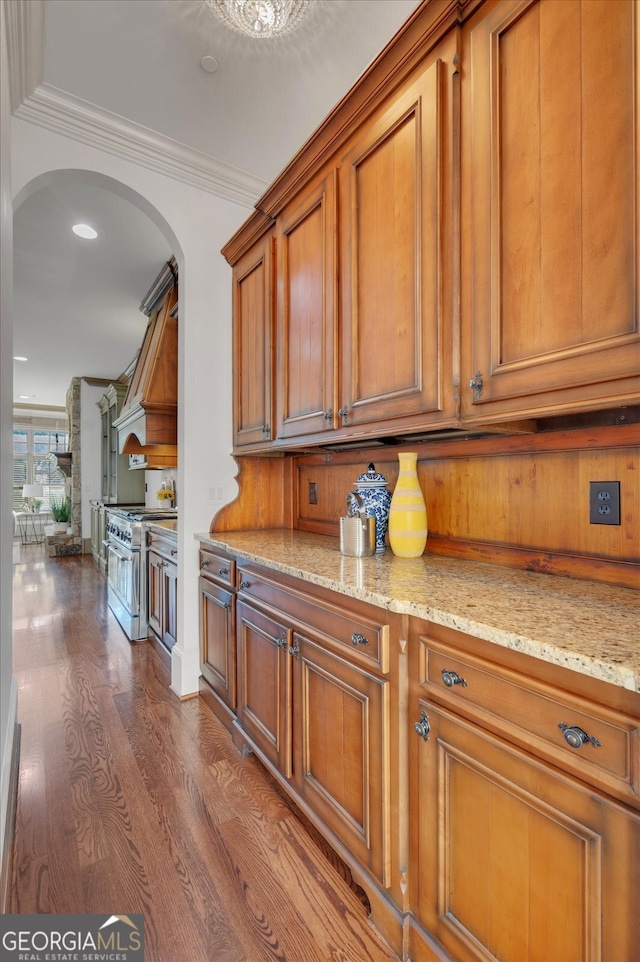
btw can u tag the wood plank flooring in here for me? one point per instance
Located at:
(131, 801)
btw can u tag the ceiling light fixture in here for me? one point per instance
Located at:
(262, 19)
(83, 230)
(18, 357)
(209, 64)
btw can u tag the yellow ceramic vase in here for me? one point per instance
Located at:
(408, 511)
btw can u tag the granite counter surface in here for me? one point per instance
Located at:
(168, 526)
(586, 626)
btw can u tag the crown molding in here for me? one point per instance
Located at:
(24, 21)
(63, 113)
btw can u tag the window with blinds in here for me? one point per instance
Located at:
(34, 462)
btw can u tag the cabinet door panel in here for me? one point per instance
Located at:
(264, 685)
(306, 334)
(553, 204)
(252, 317)
(341, 744)
(395, 185)
(517, 861)
(217, 630)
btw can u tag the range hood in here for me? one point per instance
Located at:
(148, 422)
(64, 459)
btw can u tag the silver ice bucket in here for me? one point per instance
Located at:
(358, 536)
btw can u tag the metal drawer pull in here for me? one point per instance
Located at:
(245, 584)
(174, 551)
(451, 678)
(295, 650)
(204, 563)
(358, 639)
(576, 737)
(281, 642)
(423, 727)
(223, 571)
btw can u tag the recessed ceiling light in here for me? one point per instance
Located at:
(23, 397)
(209, 64)
(83, 230)
(19, 358)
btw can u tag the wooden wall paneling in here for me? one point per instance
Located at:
(520, 501)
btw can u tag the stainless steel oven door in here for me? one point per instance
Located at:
(124, 589)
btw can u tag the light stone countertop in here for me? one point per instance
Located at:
(168, 526)
(586, 626)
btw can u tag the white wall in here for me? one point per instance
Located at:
(153, 481)
(7, 683)
(90, 445)
(196, 224)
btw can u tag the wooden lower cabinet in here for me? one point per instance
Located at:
(515, 860)
(440, 768)
(341, 750)
(264, 689)
(162, 598)
(218, 649)
(218, 662)
(323, 723)
(517, 852)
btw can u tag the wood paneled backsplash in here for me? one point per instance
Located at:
(520, 501)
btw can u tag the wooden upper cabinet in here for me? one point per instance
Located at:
(550, 208)
(306, 340)
(396, 194)
(252, 346)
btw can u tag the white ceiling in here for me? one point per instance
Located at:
(76, 302)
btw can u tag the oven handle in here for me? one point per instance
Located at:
(121, 557)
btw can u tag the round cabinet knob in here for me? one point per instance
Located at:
(451, 678)
(576, 737)
(422, 727)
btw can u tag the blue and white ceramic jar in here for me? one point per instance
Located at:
(376, 498)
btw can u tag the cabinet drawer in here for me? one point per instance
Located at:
(358, 630)
(166, 547)
(218, 566)
(598, 744)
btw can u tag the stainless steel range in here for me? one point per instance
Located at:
(127, 578)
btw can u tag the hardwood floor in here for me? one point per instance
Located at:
(131, 801)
